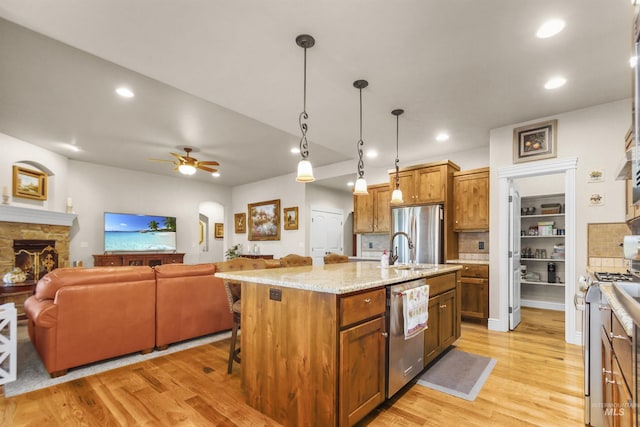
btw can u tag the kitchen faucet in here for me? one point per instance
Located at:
(412, 252)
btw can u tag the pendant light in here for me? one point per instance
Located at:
(396, 196)
(360, 188)
(305, 170)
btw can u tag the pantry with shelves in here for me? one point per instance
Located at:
(542, 252)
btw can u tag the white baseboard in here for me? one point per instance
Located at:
(497, 325)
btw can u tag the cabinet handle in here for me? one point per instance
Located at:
(604, 371)
(608, 381)
(443, 306)
(367, 301)
(384, 334)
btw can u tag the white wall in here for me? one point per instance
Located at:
(96, 189)
(291, 194)
(595, 136)
(14, 151)
(323, 197)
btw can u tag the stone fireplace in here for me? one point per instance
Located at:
(36, 257)
(23, 224)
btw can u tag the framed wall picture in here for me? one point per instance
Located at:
(535, 142)
(29, 184)
(240, 222)
(291, 218)
(264, 220)
(218, 230)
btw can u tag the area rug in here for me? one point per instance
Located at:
(32, 374)
(459, 374)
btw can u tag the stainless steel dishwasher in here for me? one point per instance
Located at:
(404, 357)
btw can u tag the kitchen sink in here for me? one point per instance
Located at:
(628, 293)
(415, 267)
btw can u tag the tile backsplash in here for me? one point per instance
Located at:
(374, 245)
(469, 245)
(604, 240)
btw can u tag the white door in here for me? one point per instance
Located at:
(326, 233)
(514, 256)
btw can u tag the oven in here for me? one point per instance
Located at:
(589, 300)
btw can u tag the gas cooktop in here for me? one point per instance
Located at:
(614, 277)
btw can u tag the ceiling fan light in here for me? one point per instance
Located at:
(360, 189)
(186, 169)
(305, 171)
(396, 196)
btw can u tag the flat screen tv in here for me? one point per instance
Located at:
(139, 233)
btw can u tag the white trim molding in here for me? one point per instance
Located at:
(506, 174)
(10, 213)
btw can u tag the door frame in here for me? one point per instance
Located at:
(567, 166)
(318, 208)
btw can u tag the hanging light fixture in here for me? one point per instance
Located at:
(396, 196)
(360, 188)
(305, 170)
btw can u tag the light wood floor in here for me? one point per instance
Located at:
(537, 381)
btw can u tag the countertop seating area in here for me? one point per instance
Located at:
(334, 258)
(84, 315)
(232, 289)
(294, 260)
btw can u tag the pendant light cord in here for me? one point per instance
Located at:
(360, 143)
(304, 144)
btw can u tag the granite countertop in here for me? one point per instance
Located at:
(336, 278)
(468, 261)
(364, 258)
(621, 313)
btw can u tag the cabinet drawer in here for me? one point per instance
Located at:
(621, 344)
(440, 284)
(359, 307)
(105, 261)
(475, 270)
(175, 259)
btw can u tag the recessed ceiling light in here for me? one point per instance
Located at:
(215, 174)
(125, 92)
(295, 150)
(372, 154)
(442, 136)
(550, 28)
(633, 61)
(350, 184)
(555, 82)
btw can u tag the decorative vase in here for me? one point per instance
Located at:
(15, 276)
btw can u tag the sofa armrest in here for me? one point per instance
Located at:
(44, 313)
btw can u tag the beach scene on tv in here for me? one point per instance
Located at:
(128, 232)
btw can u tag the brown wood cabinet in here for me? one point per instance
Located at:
(426, 183)
(17, 294)
(474, 289)
(617, 374)
(443, 323)
(471, 200)
(371, 212)
(302, 372)
(149, 259)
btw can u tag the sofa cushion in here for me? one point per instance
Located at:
(48, 286)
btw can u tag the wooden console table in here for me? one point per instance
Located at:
(149, 259)
(17, 293)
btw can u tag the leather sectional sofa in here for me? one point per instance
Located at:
(84, 315)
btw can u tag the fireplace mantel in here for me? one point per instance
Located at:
(10, 213)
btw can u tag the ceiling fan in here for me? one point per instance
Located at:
(188, 165)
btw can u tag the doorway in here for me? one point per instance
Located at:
(506, 176)
(326, 233)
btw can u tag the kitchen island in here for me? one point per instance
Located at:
(314, 338)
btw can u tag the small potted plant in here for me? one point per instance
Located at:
(233, 252)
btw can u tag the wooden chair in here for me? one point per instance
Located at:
(333, 258)
(233, 290)
(293, 260)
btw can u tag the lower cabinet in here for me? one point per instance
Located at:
(143, 258)
(441, 326)
(617, 375)
(475, 292)
(362, 370)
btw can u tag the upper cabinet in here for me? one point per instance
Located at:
(425, 183)
(471, 200)
(371, 212)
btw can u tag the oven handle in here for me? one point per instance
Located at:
(578, 306)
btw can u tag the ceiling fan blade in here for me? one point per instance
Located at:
(209, 163)
(179, 156)
(162, 160)
(204, 168)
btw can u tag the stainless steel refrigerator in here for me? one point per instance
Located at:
(424, 225)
